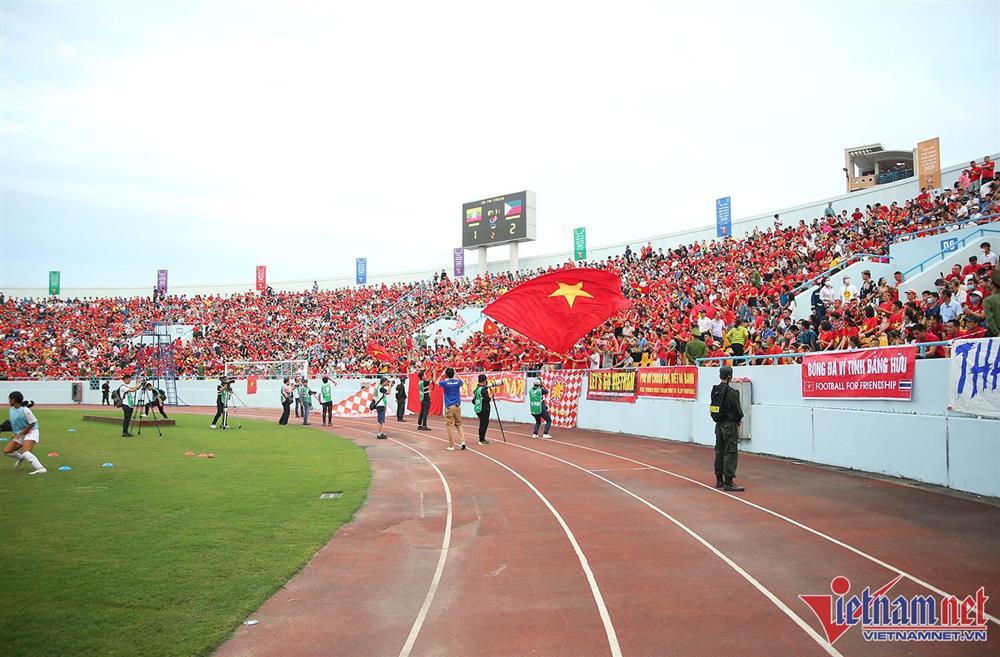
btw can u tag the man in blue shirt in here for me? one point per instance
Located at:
(452, 388)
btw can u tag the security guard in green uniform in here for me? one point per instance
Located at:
(727, 412)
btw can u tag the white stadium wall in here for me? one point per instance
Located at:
(918, 439)
(897, 191)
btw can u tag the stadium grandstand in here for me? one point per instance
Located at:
(789, 284)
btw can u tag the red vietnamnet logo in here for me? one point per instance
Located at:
(900, 618)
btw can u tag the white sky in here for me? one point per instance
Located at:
(207, 138)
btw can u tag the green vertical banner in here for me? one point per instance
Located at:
(580, 243)
(53, 282)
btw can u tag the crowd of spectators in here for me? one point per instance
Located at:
(713, 298)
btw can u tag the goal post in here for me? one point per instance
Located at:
(267, 369)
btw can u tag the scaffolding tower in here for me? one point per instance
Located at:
(159, 367)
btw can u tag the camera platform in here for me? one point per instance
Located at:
(116, 419)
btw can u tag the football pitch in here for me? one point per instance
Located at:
(162, 554)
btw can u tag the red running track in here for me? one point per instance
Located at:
(602, 544)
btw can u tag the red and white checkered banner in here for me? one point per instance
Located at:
(564, 388)
(357, 404)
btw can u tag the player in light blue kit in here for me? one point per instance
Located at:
(24, 424)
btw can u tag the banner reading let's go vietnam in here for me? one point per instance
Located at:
(511, 386)
(611, 385)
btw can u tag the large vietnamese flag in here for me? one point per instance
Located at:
(559, 308)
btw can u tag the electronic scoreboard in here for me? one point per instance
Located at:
(499, 220)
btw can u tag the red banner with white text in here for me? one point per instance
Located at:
(882, 373)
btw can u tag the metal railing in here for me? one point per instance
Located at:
(847, 262)
(943, 228)
(921, 349)
(960, 243)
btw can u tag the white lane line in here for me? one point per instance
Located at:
(815, 532)
(618, 469)
(602, 609)
(823, 643)
(445, 544)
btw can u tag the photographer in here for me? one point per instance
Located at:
(401, 398)
(126, 396)
(539, 409)
(155, 398)
(305, 399)
(424, 390)
(222, 392)
(481, 403)
(287, 397)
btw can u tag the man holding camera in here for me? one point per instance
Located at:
(481, 403)
(424, 390)
(154, 400)
(401, 398)
(126, 393)
(222, 392)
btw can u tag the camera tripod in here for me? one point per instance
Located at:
(231, 399)
(141, 398)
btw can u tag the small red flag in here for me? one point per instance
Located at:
(376, 350)
(559, 308)
(490, 327)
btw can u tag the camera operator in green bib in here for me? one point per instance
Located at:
(481, 403)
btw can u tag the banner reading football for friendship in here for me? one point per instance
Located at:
(881, 373)
(611, 385)
(564, 388)
(668, 382)
(974, 381)
(511, 386)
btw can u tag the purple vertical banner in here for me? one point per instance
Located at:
(161, 281)
(459, 262)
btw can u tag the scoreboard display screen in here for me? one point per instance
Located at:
(498, 220)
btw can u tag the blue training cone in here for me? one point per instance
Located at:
(71, 430)
(107, 465)
(64, 468)
(3, 440)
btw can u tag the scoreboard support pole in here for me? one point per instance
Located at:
(482, 260)
(513, 258)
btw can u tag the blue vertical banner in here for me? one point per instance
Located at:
(161, 281)
(459, 262)
(361, 271)
(723, 217)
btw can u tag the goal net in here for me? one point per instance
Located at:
(267, 369)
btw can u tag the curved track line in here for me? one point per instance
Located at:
(445, 545)
(816, 532)
(823, 643)
(602, 609)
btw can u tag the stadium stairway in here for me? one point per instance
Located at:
(474, 320)
(921, 276)
(803, 299)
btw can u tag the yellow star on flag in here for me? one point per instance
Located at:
(571, 292)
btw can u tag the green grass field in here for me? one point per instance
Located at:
(163, 554)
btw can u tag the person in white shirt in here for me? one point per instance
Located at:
(989, 256)
(848, 291)
(126, 391)
(826, 293)
(704, 323)
(718, 328)
(24, 424)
